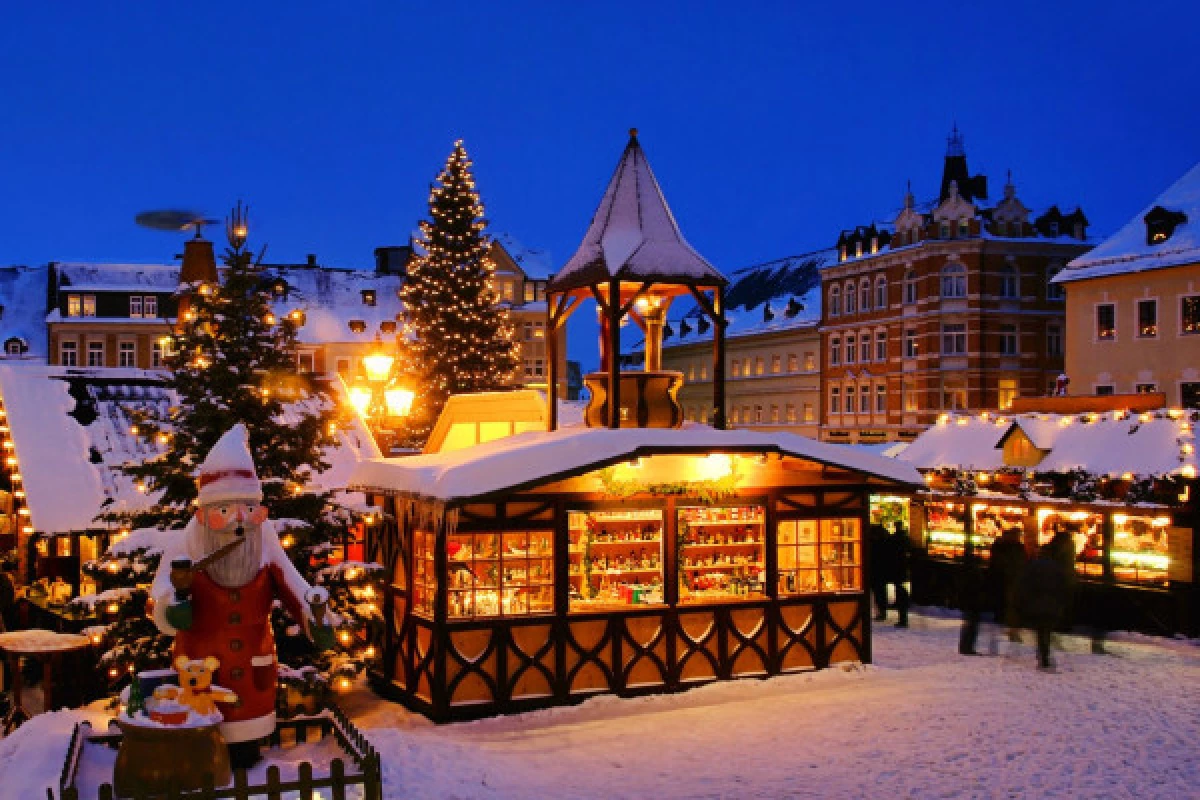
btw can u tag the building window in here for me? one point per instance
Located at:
(758, 366)
(835, 351)
(881, 345)
(954, 281)
(910, 343)
(733, 415)
(819, 556)
(1189, 314)
(1189, 395)
(95, 354)
(1145, 388)
(809, 414)
(704, 372)
(881, 292)
(158, 352)
(150, 306)
(954, 339)
(851, 349)
(126, 355)
(1147, 311)
(864, 400)
(774, 415)
(74, 305)
(776, 364)
(68, 354)
(790, 411)
(850, 303)
(835, 396)
(745, 415)
(858, 249)
(1006, 393)
(135, 306)
(1054, 340)
(910, 288)
(306, 362)
(1008, 282)
(343, 367)
(1104, 389)
(864, 347)
(963, 228)
(539, 366)
(835, 301)
(758, 415)
(793, 363)
(849, 399)
(880, 398)
(864, 295)
(954, 397)
(810, 362)
(528, 292)
(1106, 322)
(691, 372)
(908, 397)
(1054, 291)
(737, 367)
(944, 230)
(14, 347)
(539, 330)
(1008, 340)
(528, 331)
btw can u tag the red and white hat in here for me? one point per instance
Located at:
(228, 473)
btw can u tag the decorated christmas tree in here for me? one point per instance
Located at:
(460, 339)
(232, 360)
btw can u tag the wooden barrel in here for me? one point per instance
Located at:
(155, 759)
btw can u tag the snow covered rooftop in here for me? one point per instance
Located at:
(533, 458)
(23, 307)
(634, 235)
(1103, 444)
(118, 277)
(334, 299)
(70, 470)
(535, 263)
(1128, 250)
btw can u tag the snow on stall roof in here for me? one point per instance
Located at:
(1103, 444)
(534, 262)
(633, 233)
(70, 472)
(23, 307)
(1127, 249)
(118, 277)
(537, 457)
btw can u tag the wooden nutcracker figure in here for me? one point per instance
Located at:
(215, 587)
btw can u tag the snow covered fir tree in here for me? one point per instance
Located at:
(459, 338)
(232, 361)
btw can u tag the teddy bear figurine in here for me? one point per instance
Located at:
(195, 689)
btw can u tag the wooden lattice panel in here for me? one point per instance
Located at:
(696, 647)
(530, 662)
(747, 643)
(797, 638)
(844, 635)
(471, 667)
(644, 648)
(589, 657)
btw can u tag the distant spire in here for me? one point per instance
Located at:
(633, 133)
(1010, 190)
(908, 195)
(954, 143)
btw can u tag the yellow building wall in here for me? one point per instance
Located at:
(1167, 360)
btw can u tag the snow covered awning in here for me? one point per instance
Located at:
(529, 459)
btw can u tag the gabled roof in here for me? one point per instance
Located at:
(1127, 250)
(1109, 444)
(535, 263)
(118, 277)
(531, 459)
(634, 235)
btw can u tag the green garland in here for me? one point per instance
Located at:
(707, 491)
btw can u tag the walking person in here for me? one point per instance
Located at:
(972, 596)
(1062, 550)
(899, 555)
(1043, 593)
(877, 566)
(1007, 563)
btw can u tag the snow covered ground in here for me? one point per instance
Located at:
(922, 722)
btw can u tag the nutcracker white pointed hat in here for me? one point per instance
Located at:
(228, 473)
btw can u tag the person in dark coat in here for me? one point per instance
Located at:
(1007, 562)
(1062, 550)
(877, 566)
(898, 562)
(972, 596)
(1043, 593)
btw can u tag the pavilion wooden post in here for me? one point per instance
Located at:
(552, 377)
(719, 358)
(614, 353)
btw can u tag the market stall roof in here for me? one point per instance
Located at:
(534, 458)
(633, 235)
(70, 430)
(1108, 444)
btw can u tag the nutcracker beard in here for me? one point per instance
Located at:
(238, 567)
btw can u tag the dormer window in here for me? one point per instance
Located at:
(357, 326)
(945, 231)
(963, 227)
(387, 326)
(15, 346)
(1161, 224)
(1053, 228)
(368, 297)
(858, 249)
(842, 253)
(874, 244)
(279, 288)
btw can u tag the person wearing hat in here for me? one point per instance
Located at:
(221, 607)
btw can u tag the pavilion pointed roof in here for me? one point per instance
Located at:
(634, 236)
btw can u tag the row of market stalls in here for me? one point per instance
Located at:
(1122, 484)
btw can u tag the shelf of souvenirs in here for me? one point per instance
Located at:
(616, 596)
(513, 602)
(730, 515)
(951, 543)
(831, 579)
(733, 582)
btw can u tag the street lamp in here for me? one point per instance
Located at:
(379, 397)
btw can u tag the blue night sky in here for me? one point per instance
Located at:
(771, 126)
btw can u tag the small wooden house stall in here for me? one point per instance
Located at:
(547, 567)
(1122, 485)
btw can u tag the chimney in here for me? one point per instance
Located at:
(312, 259)
(199, 262)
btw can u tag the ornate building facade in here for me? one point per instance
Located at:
(948, 308)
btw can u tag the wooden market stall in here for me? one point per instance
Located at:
(1121, 484)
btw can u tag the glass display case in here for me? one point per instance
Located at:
(1140, 553)
(499, 574)
(819, 556)
(1086, 530)
(991, 521)
(424, 588)
(615, 559)
(721, 553)
(945, 529)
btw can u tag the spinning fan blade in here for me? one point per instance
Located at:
(172, 220)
